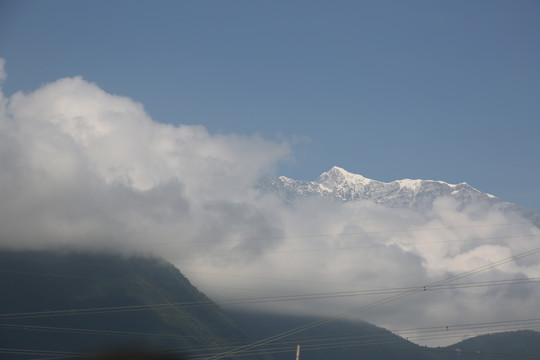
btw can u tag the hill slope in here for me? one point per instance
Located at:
(115, 293)
(339, 339)
(61, 305)
(348, 340)
(510, 345)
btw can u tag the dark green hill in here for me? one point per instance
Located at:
(109, 297)
(339, 339)
(59, 305)
(348, 340)
(510, 345)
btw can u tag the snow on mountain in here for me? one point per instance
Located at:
(340, 184)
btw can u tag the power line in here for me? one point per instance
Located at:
(292, 251)
(429, 333)
(293, 297)
(372, 305)
(309, 236)
(249, 251)
(328, 342)
(506, 324)
(37, 352)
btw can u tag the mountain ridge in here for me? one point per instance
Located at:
(340, 185)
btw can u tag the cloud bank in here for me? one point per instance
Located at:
(84, 169)
(81, 166)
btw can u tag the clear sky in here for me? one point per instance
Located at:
(444, 90)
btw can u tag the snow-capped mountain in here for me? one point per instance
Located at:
(339, 184)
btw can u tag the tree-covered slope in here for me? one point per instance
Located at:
(338, 339)
(67, 303)
(522, 344)
(62, 305)
(351, 340)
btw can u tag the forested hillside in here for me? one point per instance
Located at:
(73, 303)
(70, 305)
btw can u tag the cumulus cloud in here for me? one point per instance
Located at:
(82, 168)
(334, 247)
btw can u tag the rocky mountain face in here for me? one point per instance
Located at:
(339, 184)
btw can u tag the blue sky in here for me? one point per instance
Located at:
(444, 90)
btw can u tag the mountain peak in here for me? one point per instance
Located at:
(337, 169)
(340, 175)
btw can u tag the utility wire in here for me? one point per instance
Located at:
(372, 305)
(291, 251)
(309, 236)
(438, 332)
(294, 297)
(311, 344)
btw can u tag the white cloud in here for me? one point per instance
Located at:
(80, 167)
(81, 164)
(388, 248)
(124, 145)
